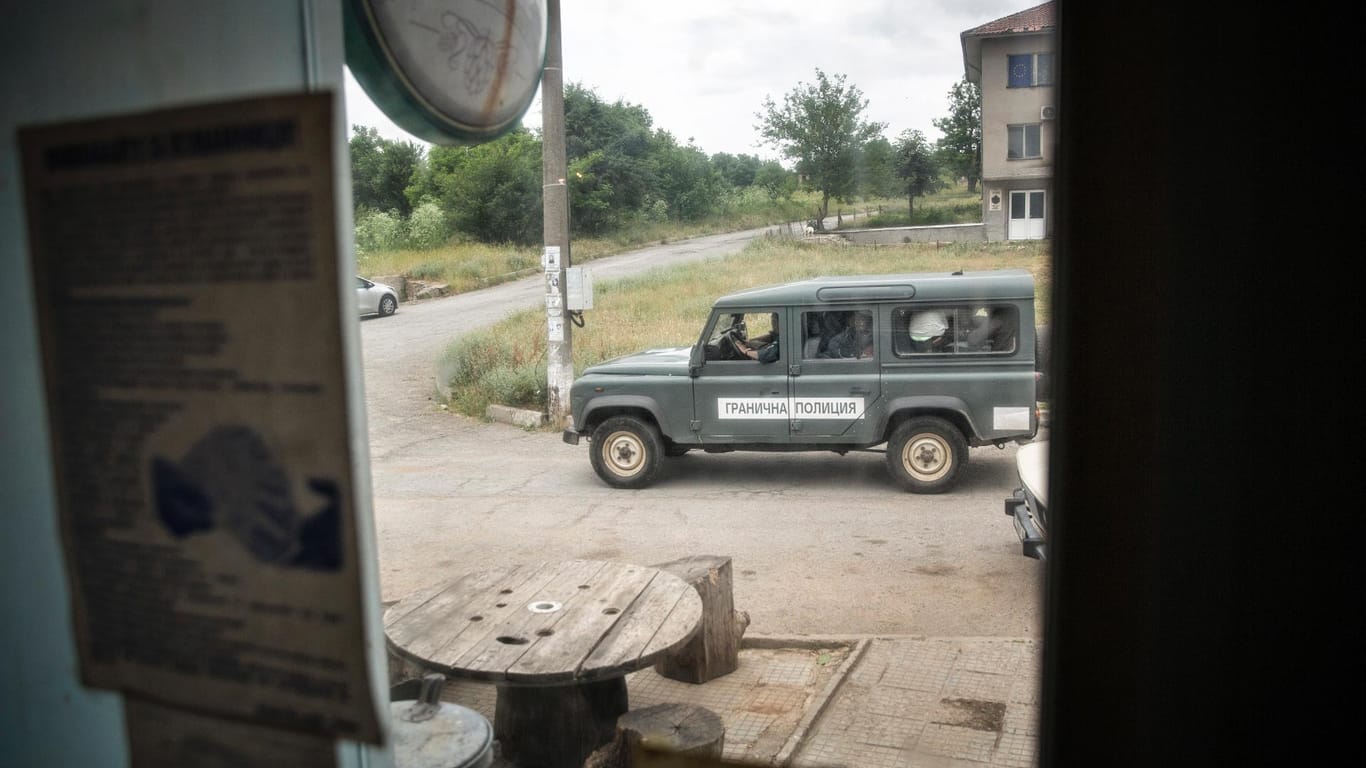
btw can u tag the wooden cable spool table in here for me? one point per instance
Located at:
(557, 638)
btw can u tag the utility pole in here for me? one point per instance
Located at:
(555, 196)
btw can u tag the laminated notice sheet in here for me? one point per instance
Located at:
(163, 737)
(189, 304)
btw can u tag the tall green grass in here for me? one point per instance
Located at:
(505, 364)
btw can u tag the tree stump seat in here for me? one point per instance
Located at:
(677, 730)
(715, 650)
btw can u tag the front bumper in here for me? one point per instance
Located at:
(1026, 527)
(571, 437)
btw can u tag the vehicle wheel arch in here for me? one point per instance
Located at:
(951, 409)
(604, 408)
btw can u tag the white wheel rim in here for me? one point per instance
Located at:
(927, 457)
(623, 454)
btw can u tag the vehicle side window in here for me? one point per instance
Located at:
(954, 329)
(744, 337)
(837, 334)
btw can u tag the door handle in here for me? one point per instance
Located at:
(860, 391)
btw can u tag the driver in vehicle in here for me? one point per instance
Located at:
(764, 347)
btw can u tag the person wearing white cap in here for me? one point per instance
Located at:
(927, 330)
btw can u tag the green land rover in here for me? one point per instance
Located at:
(927, 364)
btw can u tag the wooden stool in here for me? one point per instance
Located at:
(715, 650)
(681, 730)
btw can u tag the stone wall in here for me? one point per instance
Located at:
(413, 290)
(939, 233)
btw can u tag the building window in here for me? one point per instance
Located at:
(1023, 142)
(1026, 70)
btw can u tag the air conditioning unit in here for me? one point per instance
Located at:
(1048, 112)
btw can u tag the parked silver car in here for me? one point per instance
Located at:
(375, 298)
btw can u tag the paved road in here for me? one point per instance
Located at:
(821, 544)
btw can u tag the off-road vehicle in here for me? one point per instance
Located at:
(928, 364)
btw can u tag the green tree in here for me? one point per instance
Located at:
(381, 170)
(916, 167)
(961, 146)
(738, 170)
(491, 191)
(820, 126)
(687, 182)
(590, 196)
(623, 135)
(773, 178)
(877, 169)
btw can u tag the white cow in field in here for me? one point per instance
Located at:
(810, 230)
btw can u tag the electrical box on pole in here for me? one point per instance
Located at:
(578, 289)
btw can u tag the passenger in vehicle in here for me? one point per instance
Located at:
(815, 336)
(928, 330)
(856, 340)
(993, 331)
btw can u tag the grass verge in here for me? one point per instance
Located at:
(469, 266)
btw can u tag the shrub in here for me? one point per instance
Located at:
(483, 368)
(378, 231)
(426, 227)
(523, 385)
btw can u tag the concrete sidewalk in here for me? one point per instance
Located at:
(873, 702)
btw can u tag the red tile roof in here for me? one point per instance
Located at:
(1035, 19)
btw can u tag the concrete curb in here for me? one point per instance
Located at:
(515, 416)
(809, 642)
(794, 742)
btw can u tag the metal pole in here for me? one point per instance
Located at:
(555, 194)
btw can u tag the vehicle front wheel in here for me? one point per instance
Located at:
(388, 306)
(926, 454)
(626, 452)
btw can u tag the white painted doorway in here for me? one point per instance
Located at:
(1026, 220)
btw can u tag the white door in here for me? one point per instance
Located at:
(1026, 215)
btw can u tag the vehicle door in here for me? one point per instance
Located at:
(737, 399)
(836, 389)
(366, 298)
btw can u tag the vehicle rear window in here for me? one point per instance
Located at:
(955, 329)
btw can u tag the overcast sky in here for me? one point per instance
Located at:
(703, 68)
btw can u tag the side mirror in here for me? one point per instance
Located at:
(695, 359)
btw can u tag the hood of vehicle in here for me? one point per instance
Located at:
(671, 361)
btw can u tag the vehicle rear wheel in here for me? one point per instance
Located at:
(626, 452)
(388, 305)
(926, 454)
